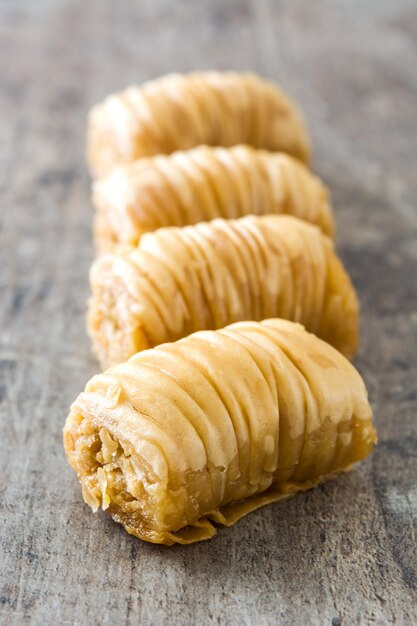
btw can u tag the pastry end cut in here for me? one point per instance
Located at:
(103, 149)
(115, 331)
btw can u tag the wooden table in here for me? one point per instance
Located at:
(341, 554)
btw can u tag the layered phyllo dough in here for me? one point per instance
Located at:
(181, 111)
(214, 426)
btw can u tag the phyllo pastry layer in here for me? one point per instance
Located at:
(181, 280)
(200, 185)
(214, 426)
(181, 111)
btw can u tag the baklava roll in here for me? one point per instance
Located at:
(214, 426)
(181, 111)
(181, 280)
(200, 185)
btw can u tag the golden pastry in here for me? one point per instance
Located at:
(180, 280)
(214, 426)
(181, 111)
(200, 185)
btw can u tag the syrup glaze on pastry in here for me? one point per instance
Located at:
(214, 426)
(181, 111)
(181, 280)
(200, 185)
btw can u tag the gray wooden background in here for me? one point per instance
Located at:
(342, 554)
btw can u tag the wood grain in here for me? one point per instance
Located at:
(342, 554)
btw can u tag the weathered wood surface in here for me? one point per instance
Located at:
(342, 554)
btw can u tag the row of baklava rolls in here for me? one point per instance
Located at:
(206, 422)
